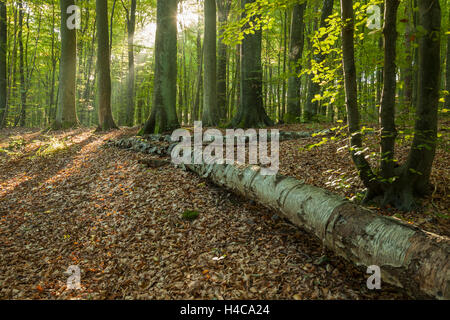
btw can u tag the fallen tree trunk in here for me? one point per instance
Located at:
(408, 257)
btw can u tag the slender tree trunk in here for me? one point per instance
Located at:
(408, 70)
(163, 117)
(211, 115)
(51, 113)
(285, 56)
(87, 89)
(111, 25)
(196, 102)
(106, 121)
(66, 116)
(237, 101)
(186, 86)
(199, 82)
(23, 94)
(447, 74)
(379, 69)
(3, 64)
(351, 93)
(131, 25)
(296, 43)
(312, 107)
(223, 10)
(251, 113)
(423, 149)
(387, 109)
(12, 72)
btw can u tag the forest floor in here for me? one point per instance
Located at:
(67, 199)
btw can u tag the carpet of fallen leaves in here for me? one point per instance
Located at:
(66, 199)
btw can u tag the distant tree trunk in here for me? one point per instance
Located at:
(199, 82)
(23, 92)
(293, 113)
(408, 70)
(387, 108)
(251, 113)
(285, 50)
(211, 114)
(379, 70)
(105, 118)
(163, 117)
(111, 25)
(186, 79)
(66, 115)
(12, 73)
(312, 107)
(447, 74)
(51, 112)
(131, 25)
(223, 10)
(196, 102)
(3, 65)
(238, 78)
(87, 89)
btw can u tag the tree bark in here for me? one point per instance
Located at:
(447, 74)
(211, 114)
(66, 116)
(251, 113)
(23, 93)
(163, 116)
(293, 113)
(409, 258)
(408, 71)
(131, 26)
(387, 109)
(3, 65)
(199, 81)
(423, 149)
(105, 118)
(223, 10)
(351, 94)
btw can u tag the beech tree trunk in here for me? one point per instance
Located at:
(199, 81)
(23, 90)
(251, 113)
(131, 25)
(223, 7)
(211, 114)
(351, 93)
(447, 74)
(3, 66)
(163, 117)
(387, 108)
(105, 118)
(293, 112)
(66, 115)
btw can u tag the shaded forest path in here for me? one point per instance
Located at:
(66, 200)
